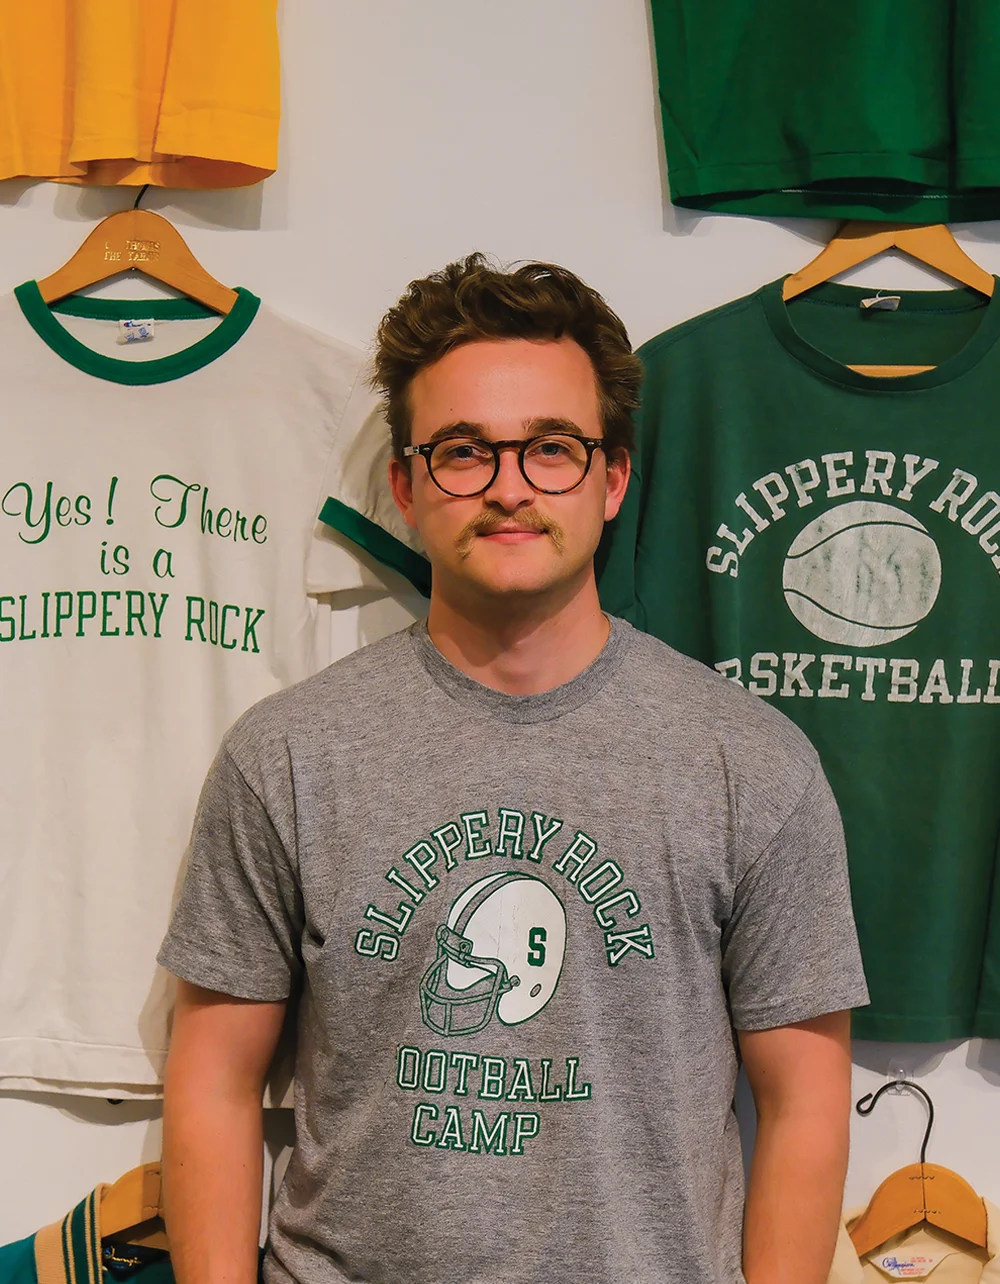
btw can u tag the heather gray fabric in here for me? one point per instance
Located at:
(521, 926)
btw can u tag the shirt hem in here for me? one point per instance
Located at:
(872, 185)
(17, 1084)
(87, 1069)
(803, 1008)
(189, 963)
(986, 1025)
(192, 173)
(895, 1028)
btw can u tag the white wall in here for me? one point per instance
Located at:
(415, 131)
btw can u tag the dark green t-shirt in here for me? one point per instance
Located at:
(831, 541)
(864, 109)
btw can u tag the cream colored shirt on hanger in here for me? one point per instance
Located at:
(924, 1253)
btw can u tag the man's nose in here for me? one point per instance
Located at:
(508, 489)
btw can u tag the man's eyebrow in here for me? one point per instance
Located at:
(460, 428)
(533, 428)
(549, 424)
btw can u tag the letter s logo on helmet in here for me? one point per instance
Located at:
(499, 954)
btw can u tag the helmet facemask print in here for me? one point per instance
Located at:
(499, 954)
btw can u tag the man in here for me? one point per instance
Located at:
(527, 870)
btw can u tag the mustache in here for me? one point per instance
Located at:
(486, 523)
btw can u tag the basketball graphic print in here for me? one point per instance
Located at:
(862, 574)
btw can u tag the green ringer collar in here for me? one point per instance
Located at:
(780, 320)
(42, 320)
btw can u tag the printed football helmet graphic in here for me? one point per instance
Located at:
(500, 953)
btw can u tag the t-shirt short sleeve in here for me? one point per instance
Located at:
(360, 528)
(790, 948)
(238, 923)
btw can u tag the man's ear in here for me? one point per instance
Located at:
(619, 470)
(401, 485)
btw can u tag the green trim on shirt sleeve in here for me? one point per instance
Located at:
(384, 547)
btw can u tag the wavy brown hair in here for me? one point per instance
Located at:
(470, 300)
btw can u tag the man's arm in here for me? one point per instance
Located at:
(220, 1052)
(800, 1076)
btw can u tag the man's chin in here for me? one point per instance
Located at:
(510, 572)
(515, 582)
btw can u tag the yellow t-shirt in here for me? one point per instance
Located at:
(178, 93)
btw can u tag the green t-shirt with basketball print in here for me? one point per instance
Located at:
(831, 541)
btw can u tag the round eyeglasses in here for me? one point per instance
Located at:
(551, 463)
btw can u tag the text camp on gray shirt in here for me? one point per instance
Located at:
(521, 930)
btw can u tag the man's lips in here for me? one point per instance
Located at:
(508, 532)
(511, 535)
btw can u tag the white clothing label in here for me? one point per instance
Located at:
(903, 1265)
(136, 331)
(882, 303)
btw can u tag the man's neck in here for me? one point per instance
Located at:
(521, 647)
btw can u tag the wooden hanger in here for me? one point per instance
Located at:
(918, 1193)
(132, 1209)
(138, 240)
(858, 241)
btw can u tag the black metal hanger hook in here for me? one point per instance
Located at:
(142, 192)
(868, 1103)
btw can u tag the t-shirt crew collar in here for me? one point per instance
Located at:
(542, 707)
(219, 340)
(834, 294)
(848, 1269)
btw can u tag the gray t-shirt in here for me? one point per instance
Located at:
(522, 929)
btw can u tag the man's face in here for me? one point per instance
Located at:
(510, 539)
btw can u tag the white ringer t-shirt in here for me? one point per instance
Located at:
(160, 571)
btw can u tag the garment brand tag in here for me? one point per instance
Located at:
(135, 331)
(122, 1261)
(882, 303)
(907, 1266)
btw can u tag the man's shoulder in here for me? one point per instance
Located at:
(329, 702)
(713, 714)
